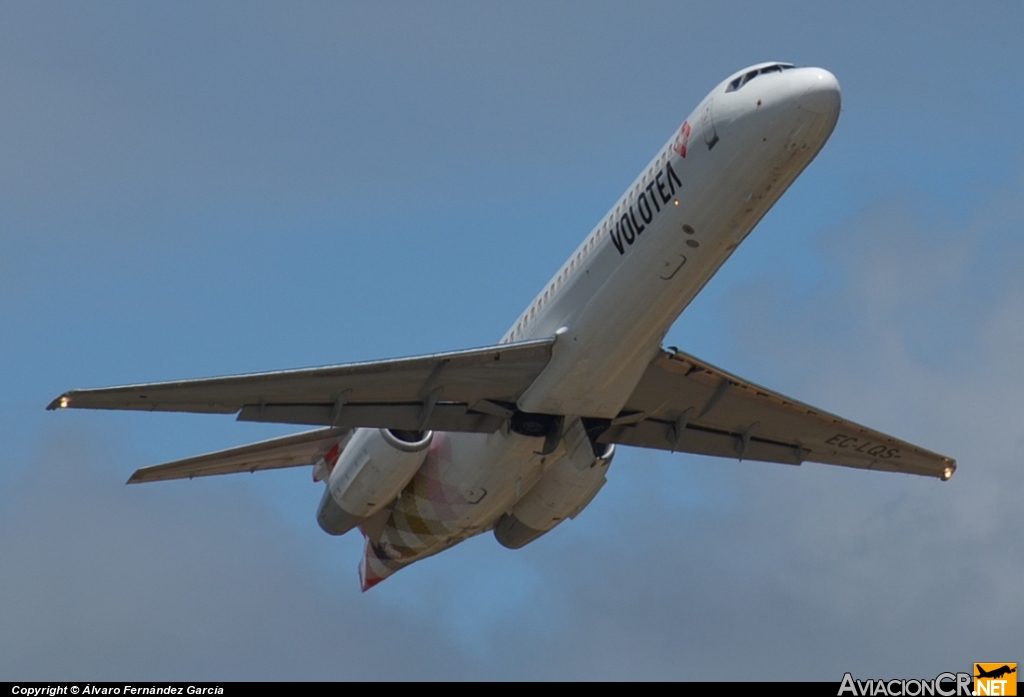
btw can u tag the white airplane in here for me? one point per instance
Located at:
(421, 453)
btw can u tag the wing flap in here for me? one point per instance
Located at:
(700, 441)
(290, 451)
(443, 417)
(726, 416)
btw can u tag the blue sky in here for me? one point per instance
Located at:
(193, 190)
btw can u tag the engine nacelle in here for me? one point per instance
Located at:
(372, 470)
(562, 492)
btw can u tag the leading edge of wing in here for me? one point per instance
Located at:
(684, 403)
(496, 373)
(288, 451)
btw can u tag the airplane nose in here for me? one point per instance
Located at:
(822, 93)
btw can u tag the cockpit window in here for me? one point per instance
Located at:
(747, 77)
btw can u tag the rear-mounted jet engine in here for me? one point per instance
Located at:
(374, 467)
(562, 492)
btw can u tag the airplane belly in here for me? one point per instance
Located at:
(604, 349)
(597, 362)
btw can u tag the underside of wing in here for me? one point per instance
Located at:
(685, 404)
(289, 451)
(458, 391)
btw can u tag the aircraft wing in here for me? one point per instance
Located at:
(460, 391)
(685, 404)
(290, 451)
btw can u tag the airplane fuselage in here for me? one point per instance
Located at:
(610, 306)
(422, 452)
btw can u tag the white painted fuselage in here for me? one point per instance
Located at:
(613, 301)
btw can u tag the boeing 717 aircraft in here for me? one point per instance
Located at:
(421, 453)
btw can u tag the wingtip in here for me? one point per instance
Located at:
(62, 402)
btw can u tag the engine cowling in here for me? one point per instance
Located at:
(372, 470)
(562, 492)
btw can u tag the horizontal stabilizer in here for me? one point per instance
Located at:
(289, 451)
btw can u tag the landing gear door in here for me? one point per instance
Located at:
(707, 124)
